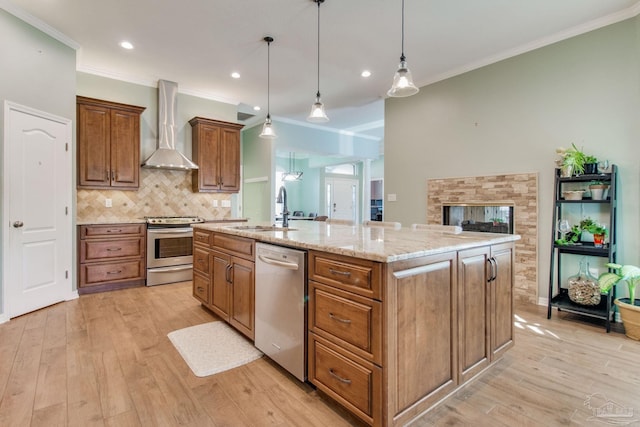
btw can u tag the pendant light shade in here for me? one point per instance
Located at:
(317, 114)
(402, 80)
(267, 128)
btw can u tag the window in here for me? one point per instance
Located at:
(344, 169)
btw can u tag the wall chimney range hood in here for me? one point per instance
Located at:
(166, 156)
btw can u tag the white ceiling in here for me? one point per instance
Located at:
(198, 43)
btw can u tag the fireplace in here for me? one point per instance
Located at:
(480, 217)
(519, 192)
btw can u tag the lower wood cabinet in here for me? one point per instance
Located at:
(111, 257)
(224, 277)
(389, 341)
(485, 307)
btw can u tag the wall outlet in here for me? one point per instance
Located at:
(215, 203)
(226, 203)
(108, 203)
(391, 197)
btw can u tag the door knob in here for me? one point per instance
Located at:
(18, 224)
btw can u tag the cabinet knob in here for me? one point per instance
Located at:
(18, 224)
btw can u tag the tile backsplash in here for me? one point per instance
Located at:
(161, 193)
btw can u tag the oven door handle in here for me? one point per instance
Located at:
(172, 231)
(168, 269)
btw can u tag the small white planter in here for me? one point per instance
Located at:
(599, 192)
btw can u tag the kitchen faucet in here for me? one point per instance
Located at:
(282, 198)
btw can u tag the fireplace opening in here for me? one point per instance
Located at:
(482, 218)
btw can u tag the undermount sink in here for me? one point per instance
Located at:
(260, 228)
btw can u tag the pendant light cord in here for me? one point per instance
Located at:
(402, 57)
(319, 1)
(269, 77)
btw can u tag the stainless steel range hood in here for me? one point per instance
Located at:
(166, 156)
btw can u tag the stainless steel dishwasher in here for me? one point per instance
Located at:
(281, 307)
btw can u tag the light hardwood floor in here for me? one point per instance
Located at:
(105, 360)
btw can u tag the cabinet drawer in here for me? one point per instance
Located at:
(98, 231)
(201, 261)
(201, 288)
(240, 246)
(202, 237)
(97, 250)
(97, 274)
(354, 275)
(354, 320)
(353, 383)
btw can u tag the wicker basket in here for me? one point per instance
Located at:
(584, 291)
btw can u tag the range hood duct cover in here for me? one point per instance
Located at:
(166, 156)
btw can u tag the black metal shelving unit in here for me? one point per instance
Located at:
(559, 296)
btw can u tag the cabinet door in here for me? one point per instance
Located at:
(230, 160)
(220, 284)
(501, 297)
(94, 124)
(420, 337)
(125, 149)
(242, 300)
(473, 312)
(208, 157)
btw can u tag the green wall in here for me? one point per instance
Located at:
(509, 117)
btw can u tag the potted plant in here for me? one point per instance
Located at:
(628, 307)
(572, 161)
(598, 190)
(598, 231)
(571, 237)
(590, 165)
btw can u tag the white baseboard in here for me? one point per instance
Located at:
(72, 295)
(3, 319)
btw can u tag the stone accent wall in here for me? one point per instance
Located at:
(518, 190)
(161, 193)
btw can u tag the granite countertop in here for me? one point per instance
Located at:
(141, 220)
(107, 221)
(372, 243)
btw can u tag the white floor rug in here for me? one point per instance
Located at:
(213, 347)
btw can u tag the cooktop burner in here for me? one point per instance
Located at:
(173, 220)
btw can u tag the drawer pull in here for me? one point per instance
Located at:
(338, 377)
(113, 249)
(337, 319)
(200, 289)
(119, 230)
(200, 261)
(341, 273)
(114, 272)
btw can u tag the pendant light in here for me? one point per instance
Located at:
(267, 128)
(402, 80)
(318, 114)
(292, 175)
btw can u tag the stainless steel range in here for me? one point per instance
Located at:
(170, 249)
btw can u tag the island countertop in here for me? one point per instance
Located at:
(365, 242)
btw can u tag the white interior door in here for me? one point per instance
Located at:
(37, 241)
(342, 198)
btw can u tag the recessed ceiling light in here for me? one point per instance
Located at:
(256, 108)
(126, 45)
(235, 75)
(366, 73)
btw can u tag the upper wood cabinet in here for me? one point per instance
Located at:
(108, 144)
(216, 151)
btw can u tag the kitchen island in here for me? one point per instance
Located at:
(397, 319)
